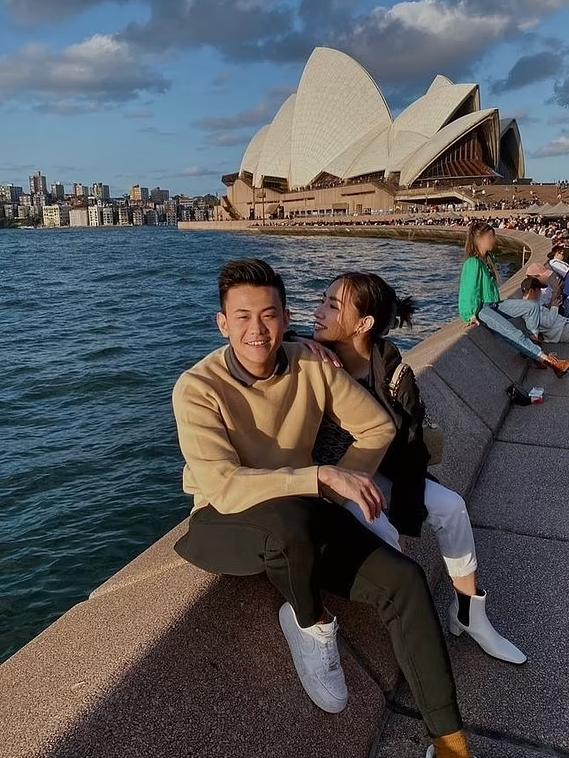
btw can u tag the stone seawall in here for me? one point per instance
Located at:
(361, 224)
(166, 661)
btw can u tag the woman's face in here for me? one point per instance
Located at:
(486, 242)
(336, 318)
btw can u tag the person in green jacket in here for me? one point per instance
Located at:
(479, 299)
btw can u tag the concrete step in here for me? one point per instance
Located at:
(527, 580)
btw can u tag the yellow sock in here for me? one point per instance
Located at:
(452, 746)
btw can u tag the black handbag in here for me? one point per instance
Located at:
(433, 436)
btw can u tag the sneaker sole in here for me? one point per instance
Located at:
(290, 635)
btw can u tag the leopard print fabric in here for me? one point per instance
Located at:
(331, 443)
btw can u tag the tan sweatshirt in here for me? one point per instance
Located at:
(248, 440)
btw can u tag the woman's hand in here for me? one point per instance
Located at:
(473, 322)
(324, 353)
(355, 486)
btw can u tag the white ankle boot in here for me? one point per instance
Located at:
(482, 631)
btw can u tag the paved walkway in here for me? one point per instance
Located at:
(520, 512)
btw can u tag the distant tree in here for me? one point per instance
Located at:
(211, 200)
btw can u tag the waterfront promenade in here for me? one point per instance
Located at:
(166, 661)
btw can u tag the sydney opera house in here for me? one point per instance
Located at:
(334, 147)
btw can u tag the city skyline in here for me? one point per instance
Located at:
(58, 189)
(123, 92)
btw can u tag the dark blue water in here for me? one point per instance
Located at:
(95, 328)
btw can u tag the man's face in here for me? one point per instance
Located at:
(254, 322)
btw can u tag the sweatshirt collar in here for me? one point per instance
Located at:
(241, 374)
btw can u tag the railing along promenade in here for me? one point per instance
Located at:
(166, 661)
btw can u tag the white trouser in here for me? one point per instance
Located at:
(447, 517)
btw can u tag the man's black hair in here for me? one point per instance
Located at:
(530, 283)
(251, 271)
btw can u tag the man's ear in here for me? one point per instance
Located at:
(221, 319)
(286, 318)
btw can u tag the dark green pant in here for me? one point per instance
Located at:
(305, 545)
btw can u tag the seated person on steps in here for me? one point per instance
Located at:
(551, 326)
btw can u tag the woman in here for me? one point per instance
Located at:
(479, 299)
(356, 314)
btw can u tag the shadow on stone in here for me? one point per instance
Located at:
(222, 683)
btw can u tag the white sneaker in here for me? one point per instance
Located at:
(316, 660)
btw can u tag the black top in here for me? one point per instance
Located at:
(407, 458)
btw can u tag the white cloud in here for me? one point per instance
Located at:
(197, 171)
(142, 113)
(99, 71)
(558, 146)
(34, 12)
(404, 43)
(154, 131)
(235, 130)
(228, 139)
(438, 19)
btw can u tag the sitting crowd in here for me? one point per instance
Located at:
(542, 314)
(546, 227)
(308, 460)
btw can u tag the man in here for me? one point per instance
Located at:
(247, 418)
(552, 327)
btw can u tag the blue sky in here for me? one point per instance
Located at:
(168, 92)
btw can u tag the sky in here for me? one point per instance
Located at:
(168, 92)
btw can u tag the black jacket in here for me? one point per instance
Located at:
(407, 458)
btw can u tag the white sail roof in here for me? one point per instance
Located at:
(440, 81)
(336, 104)
(433, 110)
(372, 158)
(253, 151)
(422, 158)
(340, 165)
(274, 159)
(339, 123)
(507, 125)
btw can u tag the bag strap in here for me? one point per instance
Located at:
(395, 380)
(394, 384)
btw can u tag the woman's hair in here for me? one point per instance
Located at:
(476, 229)
(372, 296)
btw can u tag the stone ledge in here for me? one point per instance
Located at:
(136, 669)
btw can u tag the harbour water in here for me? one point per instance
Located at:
(96, 325)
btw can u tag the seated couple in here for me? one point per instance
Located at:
(479, 300)
(545, 323)
(248, 418)
(555, 275)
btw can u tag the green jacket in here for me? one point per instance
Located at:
(477, 287)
